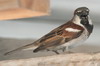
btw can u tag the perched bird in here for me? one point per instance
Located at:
(66, 36)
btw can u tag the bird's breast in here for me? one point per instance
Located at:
(77, 41)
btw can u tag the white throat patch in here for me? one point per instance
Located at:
(76, 20)
(72, 30)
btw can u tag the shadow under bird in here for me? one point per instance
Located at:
(64, 37)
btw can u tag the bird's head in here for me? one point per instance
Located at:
(81, 16)
(82, 12)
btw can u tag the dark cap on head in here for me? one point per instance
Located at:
(81, 11)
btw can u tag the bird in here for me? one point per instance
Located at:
(65, 37)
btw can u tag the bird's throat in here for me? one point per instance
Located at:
(85, 23)
(84, 20)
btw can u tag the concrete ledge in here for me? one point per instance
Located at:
(75, 59)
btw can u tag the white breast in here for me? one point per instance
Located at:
(77, 41)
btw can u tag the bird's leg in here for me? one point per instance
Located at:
(56, 51)
(63, 49)
(68, 51)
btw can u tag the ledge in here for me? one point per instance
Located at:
(75, 59)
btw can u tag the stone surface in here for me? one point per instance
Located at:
(75, 59)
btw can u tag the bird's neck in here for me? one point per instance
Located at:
(76, 20)
(83, 22)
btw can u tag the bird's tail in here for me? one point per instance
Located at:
(26, 47)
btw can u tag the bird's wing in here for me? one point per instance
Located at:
(56, 38)
(36, 43)
(51, 42)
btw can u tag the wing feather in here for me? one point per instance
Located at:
(58, 40)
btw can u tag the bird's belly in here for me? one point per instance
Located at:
(77, 41)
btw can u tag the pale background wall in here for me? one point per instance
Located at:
(16, 33)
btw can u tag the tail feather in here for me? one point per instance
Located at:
(26, 47)
(7, 53)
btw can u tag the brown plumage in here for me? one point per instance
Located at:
(67, 35)
(58, 36)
